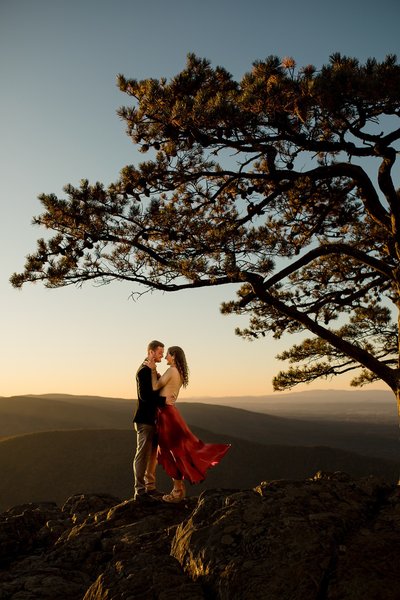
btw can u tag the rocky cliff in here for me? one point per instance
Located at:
(330, 537)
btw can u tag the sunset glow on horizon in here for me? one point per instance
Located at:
(59, 125)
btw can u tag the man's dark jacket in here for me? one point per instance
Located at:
(148, 400)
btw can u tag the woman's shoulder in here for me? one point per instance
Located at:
(171, 371)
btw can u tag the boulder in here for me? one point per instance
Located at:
(327, 538)
(291, 540)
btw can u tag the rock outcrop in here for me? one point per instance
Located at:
(330, 537)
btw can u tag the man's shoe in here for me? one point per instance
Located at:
(144, 498)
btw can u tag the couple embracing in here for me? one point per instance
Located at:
(162, 435)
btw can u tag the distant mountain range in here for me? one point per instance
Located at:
(56, 445)
(365, 435)
(342, 405)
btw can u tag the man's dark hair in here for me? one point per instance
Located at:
(153, 345)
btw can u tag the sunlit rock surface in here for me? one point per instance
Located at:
(330, 537)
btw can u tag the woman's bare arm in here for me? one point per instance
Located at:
(159, 382)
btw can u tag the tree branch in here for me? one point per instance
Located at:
(358, 354)
(326, 250)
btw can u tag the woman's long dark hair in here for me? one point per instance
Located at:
(180, 363)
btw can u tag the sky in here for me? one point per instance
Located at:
(58, 124)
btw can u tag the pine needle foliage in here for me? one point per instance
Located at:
(281, 184)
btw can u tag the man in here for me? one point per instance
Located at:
(145, 461)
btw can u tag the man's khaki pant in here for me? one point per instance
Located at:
(145, 461)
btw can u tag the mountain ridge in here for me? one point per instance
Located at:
(23, 414)
(53, 465)
(275, 441)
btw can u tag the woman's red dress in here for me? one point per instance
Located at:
(180, 452)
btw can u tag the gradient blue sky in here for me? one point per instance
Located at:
(58, 124)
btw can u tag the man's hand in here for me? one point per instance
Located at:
(149, 362)
(170, 400)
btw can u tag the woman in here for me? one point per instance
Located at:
(180, 452)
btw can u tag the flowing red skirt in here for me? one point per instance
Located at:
(180, 452)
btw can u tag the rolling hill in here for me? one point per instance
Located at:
(363, 437)
(54, 465)
(29, 414)
(56, 445)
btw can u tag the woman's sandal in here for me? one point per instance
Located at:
(174, 496)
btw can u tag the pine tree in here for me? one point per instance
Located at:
(281, 183)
